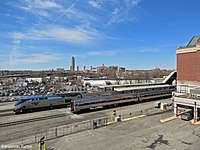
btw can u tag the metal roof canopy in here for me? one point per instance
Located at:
(140, 88)
(193, 41)
(127, 85)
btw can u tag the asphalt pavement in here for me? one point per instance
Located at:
(140, 134)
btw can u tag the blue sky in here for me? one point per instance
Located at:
(136, 34)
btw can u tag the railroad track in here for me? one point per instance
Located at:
(31, 120)
(6, 112)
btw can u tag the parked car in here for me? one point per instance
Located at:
(186, 116)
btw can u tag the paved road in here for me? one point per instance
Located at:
(141, 134)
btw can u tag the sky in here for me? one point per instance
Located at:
(135, 34)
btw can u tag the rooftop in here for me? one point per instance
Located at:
(192, 43)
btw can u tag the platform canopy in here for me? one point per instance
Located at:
(141, 87)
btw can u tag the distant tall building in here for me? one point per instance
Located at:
(77, 69)
(90, 68)
(84, 68)
(73, 64)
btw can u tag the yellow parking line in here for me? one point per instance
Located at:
(108, 123)
(168, 119)
(132, 118)
(127, 119)
(195, 123)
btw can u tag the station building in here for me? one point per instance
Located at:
(187, 96)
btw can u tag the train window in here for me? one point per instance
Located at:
(40, 98)
(32, 99)
(45, 98)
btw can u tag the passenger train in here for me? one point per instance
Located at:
(41, 102)
(81, 100)
(124, 95)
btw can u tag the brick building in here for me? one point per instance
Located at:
(187, 96)
(188, 62)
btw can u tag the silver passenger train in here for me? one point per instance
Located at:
(40, 102)
(81, 100)
(124, 95)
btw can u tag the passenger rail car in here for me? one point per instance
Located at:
(124, 95)
(40, 102)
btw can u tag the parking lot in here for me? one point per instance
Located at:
(13, 95)
(143, 133)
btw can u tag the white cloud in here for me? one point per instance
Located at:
(71, 35)
(68, 10)
(43, 13)
(95, 3)
(123, 11)
(132, 2)
(16, 58)
(46, 4)
(115, 16)
(101, 53)
(148, 50)
(40, 4)
(115, 11)
(28, 35)
(40, 7)
(26, 8)
(39, 58)
(16, 41)
(18, 35)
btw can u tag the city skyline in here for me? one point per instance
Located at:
(135, 34)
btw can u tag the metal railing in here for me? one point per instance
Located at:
(72, 128)
(52, 133)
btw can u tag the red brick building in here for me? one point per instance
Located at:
(188, 63)
(187, 97)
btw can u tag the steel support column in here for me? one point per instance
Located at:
(175, 109)
(195, 112)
